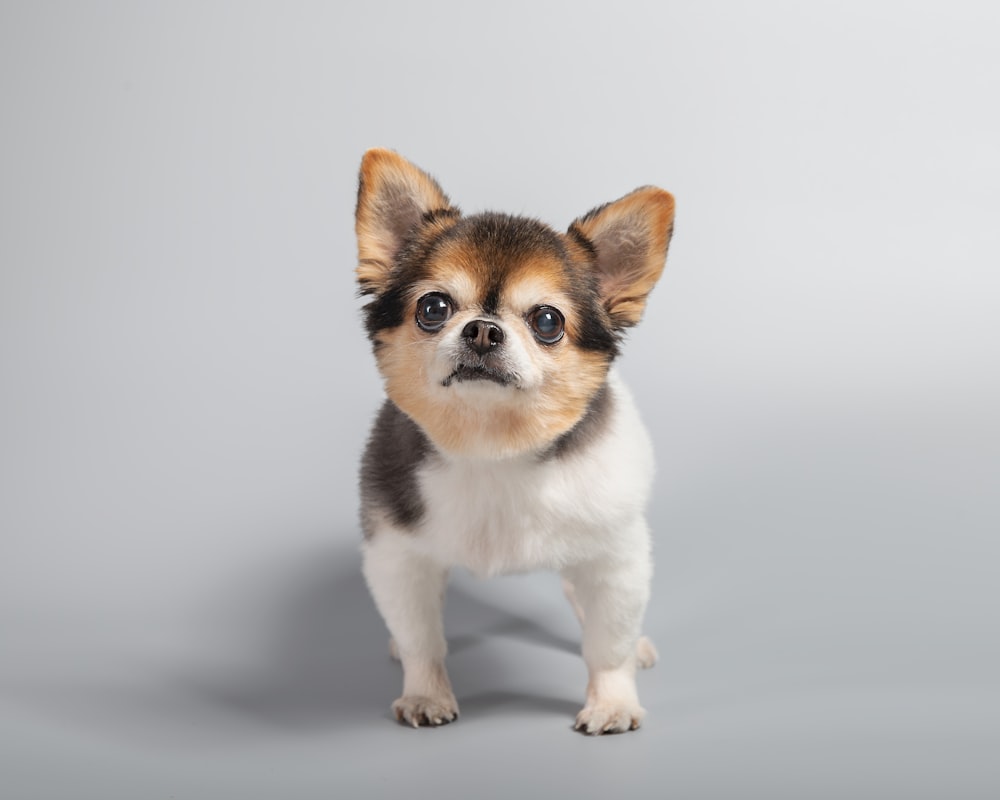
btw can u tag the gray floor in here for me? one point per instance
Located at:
(771, 685)
(186, 389)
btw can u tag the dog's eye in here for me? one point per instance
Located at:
(547, 324)
(433, 311)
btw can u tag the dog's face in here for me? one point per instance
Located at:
(492, 332)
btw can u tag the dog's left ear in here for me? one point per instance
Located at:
(629, 238)
(394, 199)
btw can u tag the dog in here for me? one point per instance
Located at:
(507, 441)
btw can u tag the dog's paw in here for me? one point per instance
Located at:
(606, 718)
(645, 653)
(417, 710)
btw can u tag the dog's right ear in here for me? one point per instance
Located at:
(394, 199)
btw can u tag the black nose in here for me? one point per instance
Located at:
(482, 336)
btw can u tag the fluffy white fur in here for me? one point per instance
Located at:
(580, 515)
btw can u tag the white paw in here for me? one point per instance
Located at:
(645, 653)
(606, 718)
(417, 710)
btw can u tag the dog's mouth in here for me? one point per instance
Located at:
(479, 372)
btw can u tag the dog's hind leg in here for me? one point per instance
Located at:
(645, 651)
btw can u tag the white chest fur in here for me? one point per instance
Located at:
(524, 514)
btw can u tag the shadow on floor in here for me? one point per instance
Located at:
(301, 649)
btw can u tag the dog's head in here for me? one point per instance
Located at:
(494, 333)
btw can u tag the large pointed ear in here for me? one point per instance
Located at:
(629, 238)
(394, 198)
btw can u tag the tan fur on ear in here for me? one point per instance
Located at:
(630, 238)
(393, 197)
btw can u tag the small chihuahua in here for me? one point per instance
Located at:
(507, 442)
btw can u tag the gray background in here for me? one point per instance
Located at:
(186, 389)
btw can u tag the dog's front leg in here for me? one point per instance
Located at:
(612, 599)
(408, 589)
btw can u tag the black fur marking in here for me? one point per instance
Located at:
(588, 429)
(452, 212)
(593, 327)
(582, 240)
(396, 448)
(503, 238)
(491, 303)
(390, 308)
